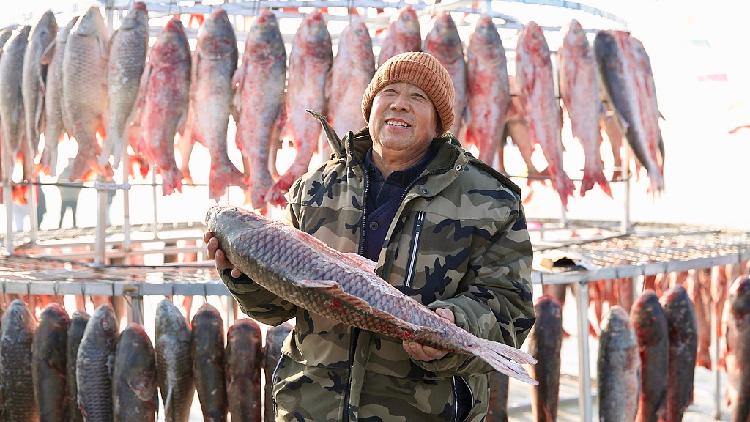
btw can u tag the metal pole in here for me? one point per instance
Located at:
(32, 201)
(229, 310)
(625, 225)
(155, 198)
(584, 371)
(101, 223)
(717, 374)
(125, 199)
(8, 199)
(563, 216)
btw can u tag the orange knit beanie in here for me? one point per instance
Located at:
(421, 70)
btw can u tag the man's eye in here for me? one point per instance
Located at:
(419, 97)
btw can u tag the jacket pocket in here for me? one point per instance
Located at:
(414, 247)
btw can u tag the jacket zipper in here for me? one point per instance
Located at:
(412, 262)
(355, 330)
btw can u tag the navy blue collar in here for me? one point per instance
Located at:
(402, 177)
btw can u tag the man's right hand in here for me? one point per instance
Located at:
(215, 253)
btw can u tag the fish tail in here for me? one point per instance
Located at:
(171, 180)
(593, 177)
(222, 176)
(18, 193)
(564, 187)
(504, 358)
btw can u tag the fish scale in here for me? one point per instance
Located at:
(343, 287)
(85, 91)
(163, 102)
(544, 344)
(260, 100)
(49, 363)
(127, 59)
(683, 349)
(134, 380)
(34, 76)
(653, 344)
(618, 368)
(174, 366)
(94, 365)
(243, 361)
(53, 128)
(16, 390)
(77, 327)
(208, 363)
(309, 63)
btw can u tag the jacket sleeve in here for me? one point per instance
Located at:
(495, 300)
(256, 301)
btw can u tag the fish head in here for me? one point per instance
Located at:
(169, 318)
(5, 36)
(645, 315)
(136, 17)
(56, 311)
(575, 37)
(216, 38)
(23, 33)
(17, 314)
(485, 39)
(264, 34)
(91, 23)
(357, 40)
(532, 39)
(172, 45)
(47, 25)
(444, 34)
(739, 297)
(313, 29)
(407, 21)
(105, 319)
(617, 321)
(605, 46)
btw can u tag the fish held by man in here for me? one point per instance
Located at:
(303, 270)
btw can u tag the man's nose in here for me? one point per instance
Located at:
(401, 102)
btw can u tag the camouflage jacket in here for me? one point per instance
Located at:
(458, 241)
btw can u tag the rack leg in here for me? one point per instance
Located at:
(584, 370)
(8, 200)
(155, 199)
(101, 225)
(717, 374)
(125, 199)
(32, 201)
(135, 311)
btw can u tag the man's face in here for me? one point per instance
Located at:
(402, 118)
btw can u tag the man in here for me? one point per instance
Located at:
(443, 227)
(68, 195)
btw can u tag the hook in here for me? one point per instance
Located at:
(28, 290)
(205, 292)
(56, 288)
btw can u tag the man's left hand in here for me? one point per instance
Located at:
(426, 353)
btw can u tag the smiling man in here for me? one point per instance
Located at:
(443, 228)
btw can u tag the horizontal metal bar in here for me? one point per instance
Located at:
(117, 288)
(114, 253)
(627, 271)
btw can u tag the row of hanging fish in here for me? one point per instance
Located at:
(647, 356)
(80, 81)
(83, 368)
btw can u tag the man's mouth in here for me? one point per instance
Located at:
(397, 123)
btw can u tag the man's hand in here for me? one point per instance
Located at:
(222, 263)
(426, 353)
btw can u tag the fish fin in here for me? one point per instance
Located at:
(168, 401)
(317, 284)
(48, 53)
(237, 82)
(333, 139)
(363, 262)
(503, 358)
(661, 115)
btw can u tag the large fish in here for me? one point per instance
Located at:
(12, 125)
(163, 102)
(49, 363)
(208, 363)
(127, 58)
(96, 356)
(53, 120)
(537, 92)
(134, 379)
(259, 101)
(243, 366)
(618, 368)
(626, 71)
(650, 324)
(35, 76)
(85, 91)
(579, 89)
(683, 348)
(5, 35)
(174, 368)
(403, 35)
(352, 71)
(736, 321)
(211, 92)
(16, 389)
(518, 129)
(699, 292)
(309, 64)
(444, 43)
(489, 91)
(544, 344)
(303, 270)
(77, 327)
(497, 410)
(271, 355)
